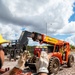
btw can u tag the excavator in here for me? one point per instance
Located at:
(58, 51)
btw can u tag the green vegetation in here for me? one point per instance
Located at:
(72, 48)
(31, 49)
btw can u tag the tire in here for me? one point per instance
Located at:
(70, 61)
(54, 65)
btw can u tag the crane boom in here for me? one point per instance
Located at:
(51, 40)
(41, 38)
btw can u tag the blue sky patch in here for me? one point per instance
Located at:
(61, 36)
(23, 29)
(72, 18)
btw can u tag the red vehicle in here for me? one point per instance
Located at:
(38, 49)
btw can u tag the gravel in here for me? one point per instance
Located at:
(64, 71)
(67, 71)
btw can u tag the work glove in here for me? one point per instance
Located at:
(22, 60)
(42, 63)
(17, 70)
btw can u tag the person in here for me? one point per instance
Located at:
(1, 56)
(18, 69)
(61, 49)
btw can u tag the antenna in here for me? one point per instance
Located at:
(46, 28)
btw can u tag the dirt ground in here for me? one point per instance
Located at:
(67, 71)
(9, 64)
(64, 71)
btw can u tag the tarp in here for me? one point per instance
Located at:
(2, 40)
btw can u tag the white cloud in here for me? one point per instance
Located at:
(31, 42)
(35, 14)
(71, 39)
(68, 29)
(40, 12)
(10, 32)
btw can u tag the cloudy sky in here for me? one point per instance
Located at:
(55, 16)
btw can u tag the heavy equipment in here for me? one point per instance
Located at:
(16, 47)
(58, 51)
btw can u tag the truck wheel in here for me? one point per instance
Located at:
(70, 61)
(54, 65)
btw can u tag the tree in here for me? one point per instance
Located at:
(72, 47)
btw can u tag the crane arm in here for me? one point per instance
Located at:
(40, 38)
